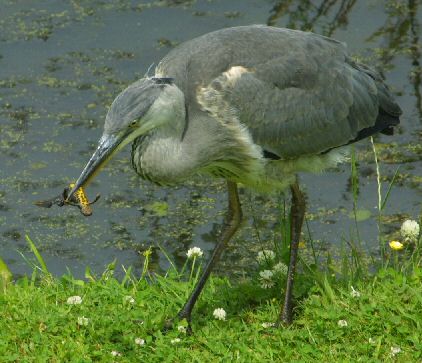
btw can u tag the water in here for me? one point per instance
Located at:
(61, 65)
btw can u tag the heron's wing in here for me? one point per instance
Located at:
(296, 92)
(295, 105)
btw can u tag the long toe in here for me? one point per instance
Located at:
(169, 324)
(184, 314)
(282, 323)
(286, 318)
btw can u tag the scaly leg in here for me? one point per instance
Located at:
(297, 213)
(231, 225)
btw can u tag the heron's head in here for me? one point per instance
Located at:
(145, 105)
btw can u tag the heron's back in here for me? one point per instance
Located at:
(297, 92)
(200, 60)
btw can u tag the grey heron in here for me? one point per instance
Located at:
(253, 105)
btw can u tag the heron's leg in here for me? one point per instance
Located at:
(297, 213)
(231, 225)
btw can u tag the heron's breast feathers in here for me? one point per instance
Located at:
(239, 159)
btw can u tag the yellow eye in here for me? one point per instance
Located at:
(133, 123)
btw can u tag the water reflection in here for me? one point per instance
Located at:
(61, 65)
(400, 34)
(306, 14)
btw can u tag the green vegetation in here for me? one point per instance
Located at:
(48, 319)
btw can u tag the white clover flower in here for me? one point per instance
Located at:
(181, 329)
(266, 279)
(139, 341)
(175, 341)
(219, 314)
(395, 350)
(280, 268)
(265, 256)
(83, 321)
(372, 341)
(194, 252)
(115, 353)
(342, 323)
(267, 325)
(354, 293)
(129, 299)
(74, 300)
(410, 230)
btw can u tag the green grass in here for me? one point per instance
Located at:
(37, 324)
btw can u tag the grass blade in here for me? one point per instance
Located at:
(37, 255)
(389, 188)
(127, 276)
(377, 168)
(5, 276)
(168, 258)
(355, 189)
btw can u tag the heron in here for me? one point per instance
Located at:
(253, 105)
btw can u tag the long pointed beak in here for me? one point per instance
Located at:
(106, 147)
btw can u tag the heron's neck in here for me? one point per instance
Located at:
(198, 143)
(161, 155)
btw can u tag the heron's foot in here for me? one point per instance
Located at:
(168, 325)
(182, 316)
(282, 323)
(285, 319)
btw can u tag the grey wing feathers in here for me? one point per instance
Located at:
(298, 93)
(385, 97)
(295, 107)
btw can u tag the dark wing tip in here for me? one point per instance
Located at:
(384, 124)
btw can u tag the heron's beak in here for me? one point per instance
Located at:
(107, 146)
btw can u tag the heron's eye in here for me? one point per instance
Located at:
(133, 123)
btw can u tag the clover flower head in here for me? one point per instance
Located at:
(74, 300)
(395, 350)
(265, 256)
(181, 329)
(267, 325)
(280, 268)
(354, 293)
(115, 353)
(342, 323)
(83, 321)
(219, 314)
(194, 252)
(129, 299)
(410, 230)
(175, 341)
(266, 279)
(139, 341)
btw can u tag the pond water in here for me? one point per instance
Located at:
(63, 62)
